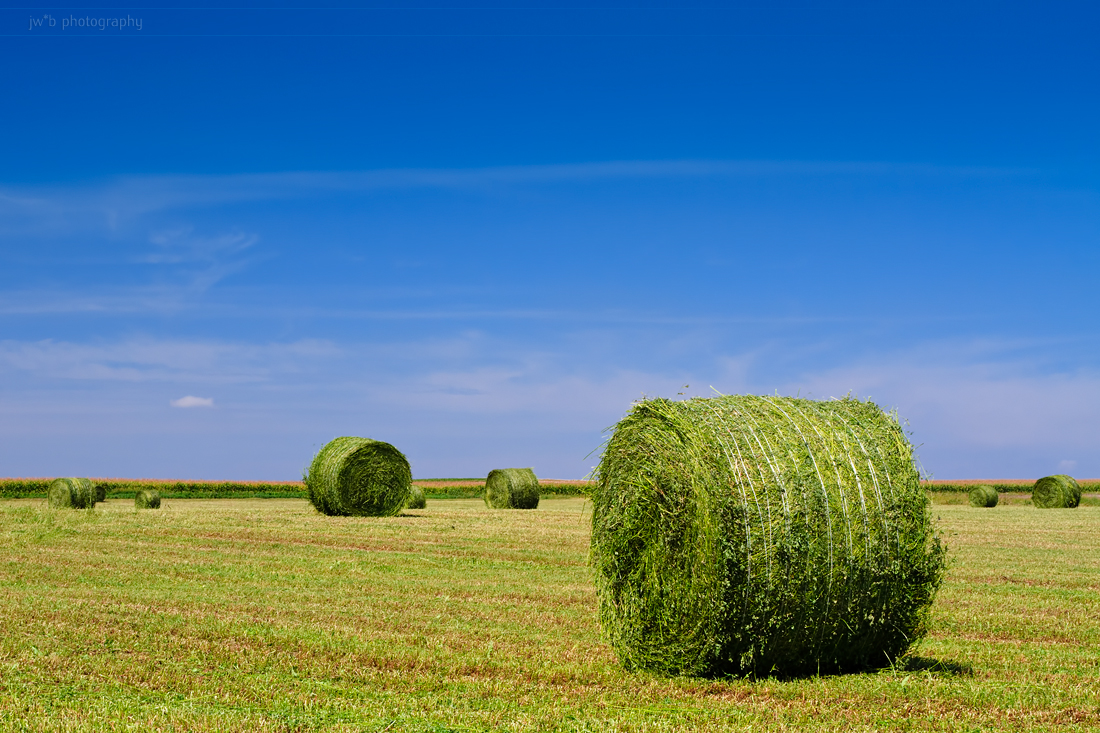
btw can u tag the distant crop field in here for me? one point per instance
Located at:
(126, 488)
(262, 615)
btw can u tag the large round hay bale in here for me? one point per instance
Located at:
(147, 499)
(358, 477)
(416, 499)
(512, 488)
(983, 495)
(761, 535)
(1056, 492)
(74, 493)
(100, 492)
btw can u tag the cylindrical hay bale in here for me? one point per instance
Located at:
(1056, 492)
(984, 496)
(761, 535)
(147, 499)
(100, 492)
(512, 488)
(416, 499)
(74, 493)
(358, 477)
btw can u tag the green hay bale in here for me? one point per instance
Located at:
(147, 499)
(71, 493)
(761, 535)
(358, 477)
(512, 488)
(416, 499)
(1056, 492)
(100, 492)
(984, 496)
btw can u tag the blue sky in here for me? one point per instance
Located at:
(480, 233)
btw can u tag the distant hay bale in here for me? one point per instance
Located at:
(984, 496)
(1056, 492)
(416, 499)
(512, 488)
(147, 499)
(358, 477)
(100, 492)
(761, 535)
(71, 493)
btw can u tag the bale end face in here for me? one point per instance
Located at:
(512, 488)
(1056, 492)
(984, 496)
(147, 499)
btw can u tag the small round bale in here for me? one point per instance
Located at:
(71, 493)
(359, 477)
(416, 499)
(100, 492)
(512, 488)
(1056, 492)
(761, 535)
(984, 495)
(147, 499)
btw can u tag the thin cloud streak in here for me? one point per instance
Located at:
(192, 401)
(107, 203)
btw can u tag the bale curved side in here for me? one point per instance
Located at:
(1056, 492)
(416, 499)
(984, 496)
(147, 499)
(74, 493)
(512, 488)
(352, 476)
(761, 535)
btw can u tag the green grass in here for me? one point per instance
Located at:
(262, 615)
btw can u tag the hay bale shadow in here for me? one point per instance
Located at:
(937, 666)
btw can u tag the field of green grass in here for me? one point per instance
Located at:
(262, 615)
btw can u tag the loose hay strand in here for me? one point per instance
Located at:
(735, 535)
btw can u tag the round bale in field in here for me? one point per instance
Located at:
(416, 499)
(101, 492)
(147, 499)
(1056, 492)
(983, 495)
(512, 488)
(71, 493)
(358, 477)
(761, 535)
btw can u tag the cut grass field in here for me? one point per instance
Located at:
(262, 615)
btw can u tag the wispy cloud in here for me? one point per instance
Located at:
(109, 203)
(977, 412)
(203, 261)
(153, 360)
(192, 401)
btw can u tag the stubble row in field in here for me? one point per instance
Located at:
(263, 615)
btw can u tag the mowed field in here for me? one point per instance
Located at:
(262, 615)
